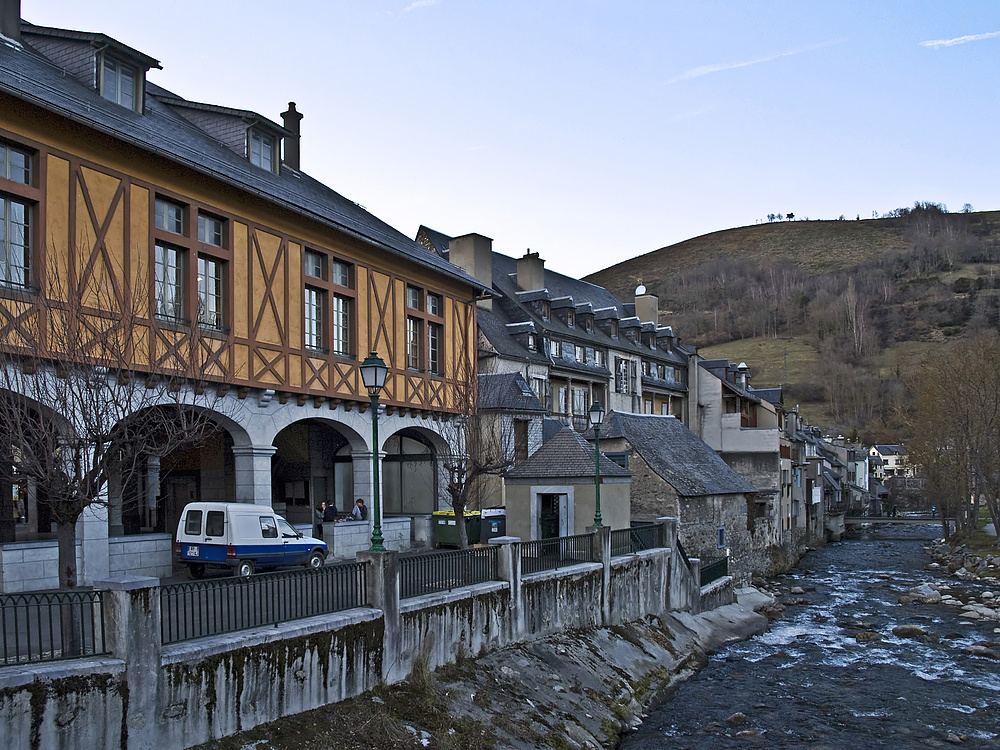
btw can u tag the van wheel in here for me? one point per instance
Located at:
(244, 569)
(316, 560)
(197, 570)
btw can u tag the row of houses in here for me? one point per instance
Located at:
(191, 234)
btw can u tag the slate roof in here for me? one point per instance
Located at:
(890, 450)
(676, 454)
(27, 75)
(507, 392)
(567, 455)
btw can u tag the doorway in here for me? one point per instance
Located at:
(548, 515)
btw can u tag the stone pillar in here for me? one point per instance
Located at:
(383, 594)
(153, 486)
(603, 542)
(93, 555)
(510, 571)
(132, 631)
(365, 488)
(253, 473)
(694, 567)
(670, 542)
(116, 527)
(669, 531)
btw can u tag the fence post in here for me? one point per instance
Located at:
(132, 632)
(383, 594)
(694, 563)
(669, 526)
(510, 571)
(669, 531)
(603, 542)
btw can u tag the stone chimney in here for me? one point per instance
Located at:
(473, 253)
(291, 119)
(530, 272)
(743, 375)
(10, 19)
(646, 306)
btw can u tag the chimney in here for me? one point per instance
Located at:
(530, 272)
(743, 375)
(646, 306)
(473, 253)
(10, 19)
(291, 119)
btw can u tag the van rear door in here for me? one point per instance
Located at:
(204, 536)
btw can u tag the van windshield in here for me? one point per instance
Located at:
(215, 523)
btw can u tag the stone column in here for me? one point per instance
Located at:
(253, 473)
(510, 571)
(603, 542)
(93, 555)
(132, 631)
(364, 487)
(383, 594)
(694, 566)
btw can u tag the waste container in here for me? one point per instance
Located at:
(493, 523)
(444, 529)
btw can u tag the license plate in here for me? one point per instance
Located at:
(192, 552)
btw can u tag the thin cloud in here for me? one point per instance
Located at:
(420, 4)
(935, 43)
(705, 70)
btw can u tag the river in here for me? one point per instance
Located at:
(808, 682)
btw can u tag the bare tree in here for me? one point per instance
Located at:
(91, 384)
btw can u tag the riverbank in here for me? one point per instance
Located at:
(575, 690)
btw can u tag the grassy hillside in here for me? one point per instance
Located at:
(839, 312)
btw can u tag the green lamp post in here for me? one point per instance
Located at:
(373, 374)
(596, 417)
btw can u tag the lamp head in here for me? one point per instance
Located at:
(373, 373)
(596, 414)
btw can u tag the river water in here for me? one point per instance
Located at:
(808, 682)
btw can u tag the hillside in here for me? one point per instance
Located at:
(837, 311)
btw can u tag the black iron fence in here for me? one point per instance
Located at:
(639, 537)
(444, 571)
(202, 608)
(45, 626)
(549, 554)
(713, 568)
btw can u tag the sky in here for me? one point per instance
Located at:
(593, 131)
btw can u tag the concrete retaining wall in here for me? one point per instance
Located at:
(151, 696)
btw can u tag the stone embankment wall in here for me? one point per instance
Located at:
(149, 695)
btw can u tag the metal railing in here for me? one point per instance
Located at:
(713, 568)
(203, 608)
(639, 537)
(444, 571)
(684, 554)
(46, 626)
(549, 554)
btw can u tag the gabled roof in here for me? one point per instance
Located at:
(676, 454)
(890, 450)
(566, 456)
(507, 392)
(93, 38)
(27, 75)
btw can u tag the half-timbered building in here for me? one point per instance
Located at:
(202, 218)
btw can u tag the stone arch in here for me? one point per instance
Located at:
(314, 462)
(411, 471)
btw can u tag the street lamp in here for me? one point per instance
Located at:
(596, 417)
(373, 372)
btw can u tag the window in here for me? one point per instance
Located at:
(192, 523)
(599, 358)
(313, 265)
(434, 347)
(211, 230)
(118, 83)
(649, 406)
(342, 325)
(580, 353)
(555, 349)
(341, 273)
(268, 528)
(414, 343)
(722, 537)
(262, 150)
(581, 402)
(571, 318)
(169, 216)
(314, 318)
(15, 242)
(414, 298)
(168, 282)
(532, 342)
(625, 370)
(588, 323)
(215, 523)
(210, 285)
(434, 304)
(546, 311)
(15, 164)
(614, 329)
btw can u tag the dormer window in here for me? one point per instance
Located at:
(546, 311)
(571, 319)
(262, 150)
(614, 329)
(120, 83)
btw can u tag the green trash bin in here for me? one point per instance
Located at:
(444, 529)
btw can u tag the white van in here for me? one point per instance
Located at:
(241, 536)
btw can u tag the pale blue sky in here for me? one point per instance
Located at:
(592, 131)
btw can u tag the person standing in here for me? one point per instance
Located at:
(330, 514)
(318, 519)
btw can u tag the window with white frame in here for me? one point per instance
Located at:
(15, 164)
(341, 342)
(15, 242)
(555, 349)
(328, 304)
(580, 353)
(434, 343)
(210, 292)
(120, 83)
(168, 280)
(314, 318)
(211, 230)
(262, 150)
(169, 216)
(414, 343)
